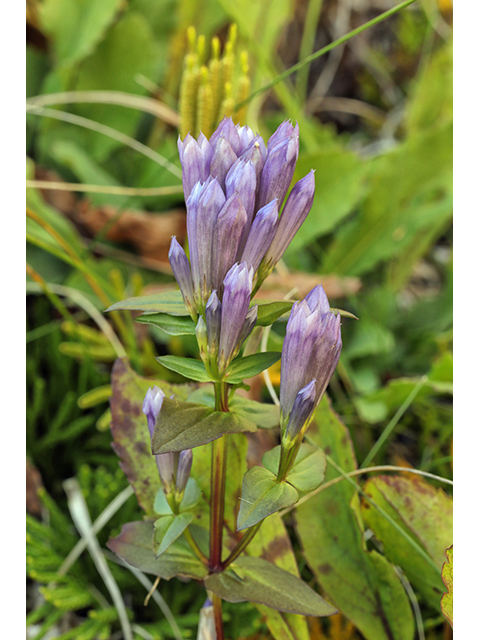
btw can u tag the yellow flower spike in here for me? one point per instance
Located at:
(228, 103)
(232, 36)
(192, 39)
(188, 95)
(215, 68)
(244, 87)
(205, 114)
(201, 49)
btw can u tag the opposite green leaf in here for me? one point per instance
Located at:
(187, 367)
(250, 366)
(308, 471)
(185, 425)
(167, 529)
(161, 505)
(191, 496)
(166, 302)
(173, 325)
(134, 545)
(447, 577)
(257, 580)
(262, 495)
(265, 416)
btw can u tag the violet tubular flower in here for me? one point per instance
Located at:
(173, 468)
(229, 181)
(310, 354)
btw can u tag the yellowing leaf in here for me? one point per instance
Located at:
(447, 577)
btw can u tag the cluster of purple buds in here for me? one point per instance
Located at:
(234, 187)
(310, 353)
(174, 468)
(228, 323)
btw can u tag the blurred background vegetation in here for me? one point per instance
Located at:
(105, 104)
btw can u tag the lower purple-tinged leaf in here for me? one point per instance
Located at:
(257, 580)
(134, 545)
(447, 577)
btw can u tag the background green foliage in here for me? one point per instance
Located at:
(381, 146)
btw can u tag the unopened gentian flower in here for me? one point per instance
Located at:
(227, 324)
(234, 189)
(173, 468)
(310, 353)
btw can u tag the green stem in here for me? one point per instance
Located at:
(218, 478)
(324, 50)
(242, 544)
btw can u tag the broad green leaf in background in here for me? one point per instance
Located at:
(362, 584)
(273, 543)
(167, 529)
(262, 495)
(408, 189)
(170, 302)
(257, 580)
(185, 425)
(131, 440)
(426, 514)
(431, 99)
(338, 186)
(447, 577)
(250, 366)
(308, 471)
(172, 325)
(134, 545)
(76, 26)
(128, 50)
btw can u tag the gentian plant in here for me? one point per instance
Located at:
(239, 223)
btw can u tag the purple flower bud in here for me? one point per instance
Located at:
(223, 158)
(278, 169)
(195, 157)
(181, 271)
(226, 237)
(311, 349)
(192, 207)
(226, 129)
(256, 152)
(151, 407)
(285, 130)
(202, 340)
(250, 321)
(236, 300)
(210, 202)
(241, 179)
(260, 235)
(166, 469)
(303, 406)
(183, 470)
(246, 136)
(294, 212)
(213, 316)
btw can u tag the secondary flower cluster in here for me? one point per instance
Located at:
(174, 468)
(234, 188)
(310, 353)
